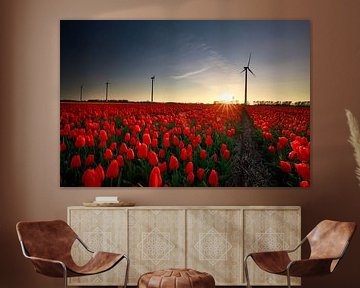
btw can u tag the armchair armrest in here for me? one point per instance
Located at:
(49, 267)
(83, 244)
(298, 246)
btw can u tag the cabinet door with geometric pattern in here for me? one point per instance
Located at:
(270, 230)
(214, 244)
(156, 240)
(101, 230)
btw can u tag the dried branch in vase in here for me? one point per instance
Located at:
(354, 140)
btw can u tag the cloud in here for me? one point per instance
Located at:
(198, 63)
(189, 74)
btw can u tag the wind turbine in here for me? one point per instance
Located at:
(152, 88)
(107, 90)
(246, 69)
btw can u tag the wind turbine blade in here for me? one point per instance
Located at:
(249, 60)
(251, 72)
(242, 71)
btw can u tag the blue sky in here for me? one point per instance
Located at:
(193, 61)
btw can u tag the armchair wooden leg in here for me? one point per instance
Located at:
(246, 272)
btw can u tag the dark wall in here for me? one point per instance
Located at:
(29, 119)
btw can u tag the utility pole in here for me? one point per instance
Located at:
(81, 92)
(107, 90)
(152, 88)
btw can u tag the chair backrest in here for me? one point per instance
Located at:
(329, 239)
(46, 239)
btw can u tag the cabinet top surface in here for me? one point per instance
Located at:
(193, 207)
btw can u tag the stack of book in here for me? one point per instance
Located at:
(106, 199)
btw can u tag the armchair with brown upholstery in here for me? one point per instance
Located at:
(48, 245)
(328, 242)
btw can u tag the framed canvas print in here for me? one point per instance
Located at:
(175, 103)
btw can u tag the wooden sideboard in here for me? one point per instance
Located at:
(213, 239)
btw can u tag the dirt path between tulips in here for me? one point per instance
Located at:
(248, 168)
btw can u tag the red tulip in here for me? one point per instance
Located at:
(108, 154)
(303, 171)
(189, 167)
(175, 140)
(190, 178)
(91, 179)
(304, 153)
(292, 136)
(127, 137)
(174, 163)
(120, 160)
(183, 154)
(113, 169)
(200, 173)
(136, 129)
(162, 153)
(304, 141)
(89, 160)
(75, 161)
(226, 154)
(271, 149)
(154, 142)
(295, 145)
(292, 155)
(285, 166)
(155, 179)
(133, 141)
(208, 140)
(152, 158)
(102, 144)
(202, 154)
(103, 136)
(213, 178)
(163, 167)
(166, 142)
(143, 151)
(282, 142)
(304, 184)
(123, 148)
(67, 129)
(62, 147)
(80, 141)
(268, 136)
(90, 142)
(215, 157)
(146, 139)
(100, 172)
(130, 154)
(189, 152)
(113, 146)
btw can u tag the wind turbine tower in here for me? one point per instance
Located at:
(107, 90)
(152, 88)
(246, 69)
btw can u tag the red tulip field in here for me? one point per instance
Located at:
(179, 145)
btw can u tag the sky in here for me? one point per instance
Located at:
(192, 61)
